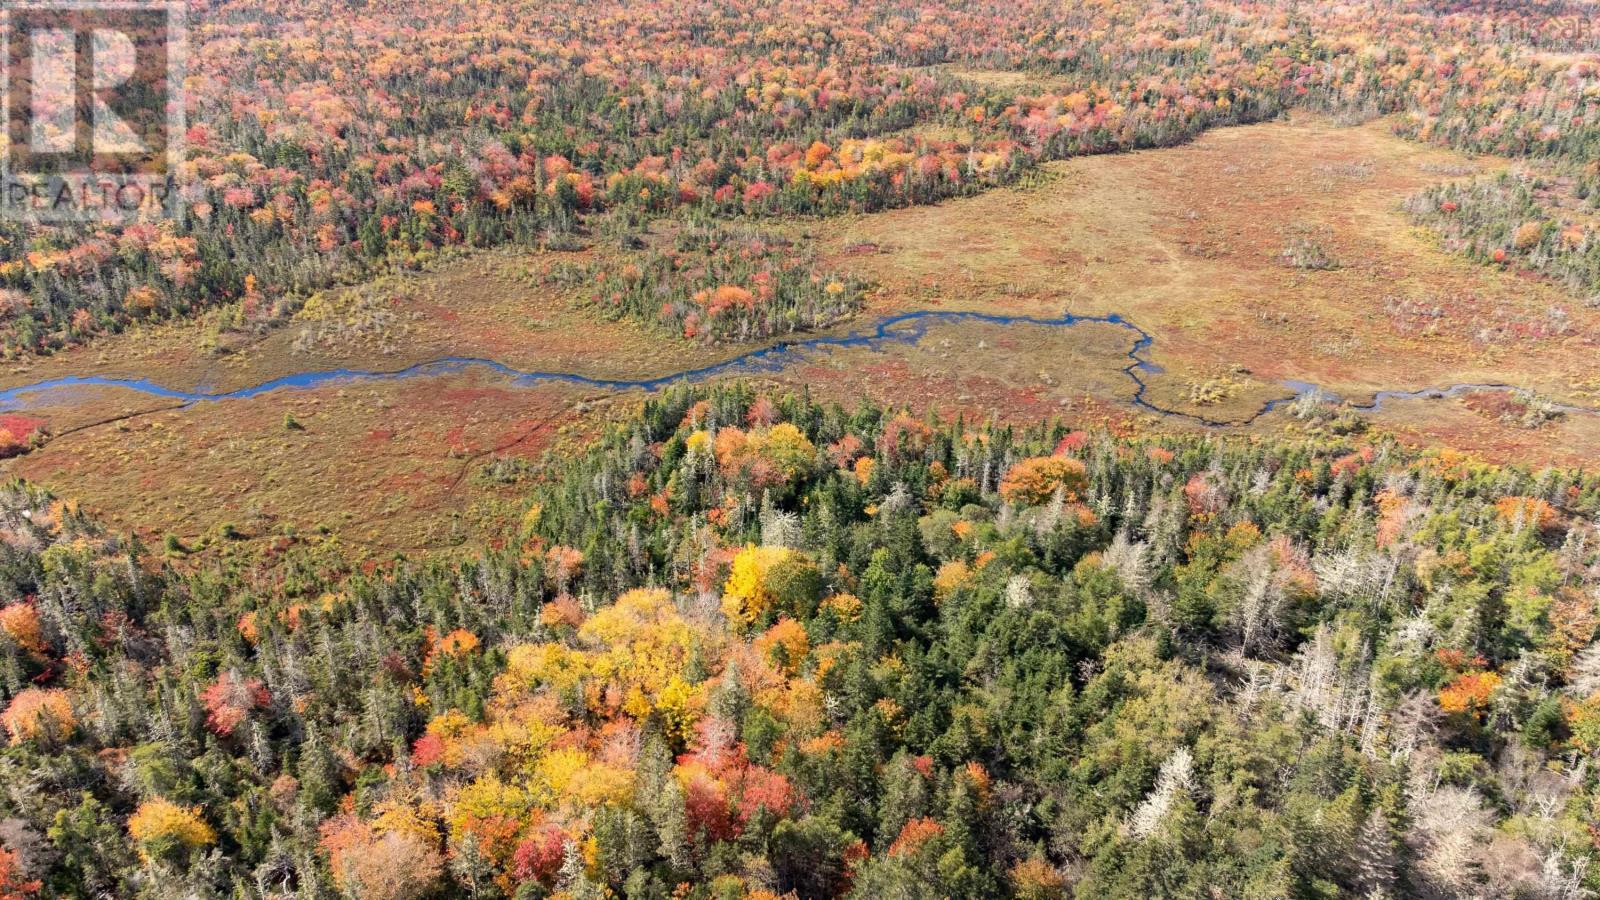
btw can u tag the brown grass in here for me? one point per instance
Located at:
(1189, 244)
(389, 466)
(482, 306)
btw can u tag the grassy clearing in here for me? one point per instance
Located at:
(483, 305)
(384, 467)
(1277, 250)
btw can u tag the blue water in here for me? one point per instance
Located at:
(905, 328)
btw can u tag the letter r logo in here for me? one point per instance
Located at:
(88, 85)
(92, 106)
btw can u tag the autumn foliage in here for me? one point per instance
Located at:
(1470, 692)
(719, 284)
(41, 714)
(1033, 481)
(765, 579)
(934, 679)
(13, 885)
(163, 829)
(1530, 512)
(393, 863)
(16, 433)
(231, 699)
(385, 136)
(20, 622)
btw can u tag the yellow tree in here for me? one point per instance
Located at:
(164, 830)
(770, 578)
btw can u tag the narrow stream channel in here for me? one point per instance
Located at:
(904, 328)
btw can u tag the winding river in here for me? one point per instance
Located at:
(904, 328)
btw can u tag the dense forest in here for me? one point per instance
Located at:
(752, 645)
(330, 140)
